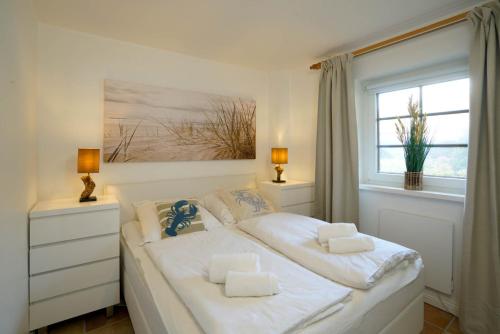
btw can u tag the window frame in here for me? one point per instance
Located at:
(369, 136)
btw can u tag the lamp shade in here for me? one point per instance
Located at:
(279, 155)
(88, 160)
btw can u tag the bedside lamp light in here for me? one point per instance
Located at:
(279, 155)
(88, 162)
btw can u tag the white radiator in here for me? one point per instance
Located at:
(431, 237)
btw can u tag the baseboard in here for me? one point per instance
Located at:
(441, 301)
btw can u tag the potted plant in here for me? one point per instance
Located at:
(416, 145)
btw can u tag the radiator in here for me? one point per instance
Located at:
(431, 237)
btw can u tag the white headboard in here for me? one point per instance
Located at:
(129, 193)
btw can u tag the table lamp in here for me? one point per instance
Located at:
(88, 162)
(279, 155)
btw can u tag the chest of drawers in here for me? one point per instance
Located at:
(74, 259)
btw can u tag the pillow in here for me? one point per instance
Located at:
(216, 206)
(211, 223)
(131, 231)
(149, 225)
(179, 217)
(246, 203)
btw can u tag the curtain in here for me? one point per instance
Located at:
(337, 184)
(480, 297)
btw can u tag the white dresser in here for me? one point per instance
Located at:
(293, 196)
(74, 262)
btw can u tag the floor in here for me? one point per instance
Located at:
(96, 323)
(436, 322)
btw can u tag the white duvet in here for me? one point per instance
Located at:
(305, 297)
(296, 236)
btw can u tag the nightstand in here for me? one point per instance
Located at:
(74, 259)
(293, 196)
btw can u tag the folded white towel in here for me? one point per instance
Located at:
(335, 230)
(240, 284)
(357, 243)
(220, 264)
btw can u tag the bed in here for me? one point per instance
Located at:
(394, 305)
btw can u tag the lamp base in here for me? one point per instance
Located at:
(279, 181)
(88, 199)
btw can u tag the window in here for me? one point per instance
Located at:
(446, 105)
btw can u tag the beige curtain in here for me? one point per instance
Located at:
(337, 193)
(480, 297)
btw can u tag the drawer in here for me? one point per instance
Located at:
(295, 196)
(45, 230)
(59, 282)
(305, 209)
(72, 253)
(70, 305)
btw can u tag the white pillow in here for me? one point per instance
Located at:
(246, 203)
(211, 223)
(216, 206)
(148, 221)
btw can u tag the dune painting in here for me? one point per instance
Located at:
(148, 123)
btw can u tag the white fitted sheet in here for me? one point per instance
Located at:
(369, 311)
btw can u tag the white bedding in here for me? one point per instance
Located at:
(368, 312)
(305, 297)
(296, 237)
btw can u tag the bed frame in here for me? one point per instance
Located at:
(142, 309)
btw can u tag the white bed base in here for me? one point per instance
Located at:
(142, 309)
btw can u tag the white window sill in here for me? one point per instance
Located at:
(414, 193)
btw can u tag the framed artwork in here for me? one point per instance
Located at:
(148, 123)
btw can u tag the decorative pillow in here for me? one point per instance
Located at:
(149, 225)
(218, 208)
(179, 217)
(246, 203)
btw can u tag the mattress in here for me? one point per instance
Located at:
(369, 311)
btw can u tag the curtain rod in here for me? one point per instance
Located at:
(406, 36)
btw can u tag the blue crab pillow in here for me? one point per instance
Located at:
(179, 217)
(246, 203)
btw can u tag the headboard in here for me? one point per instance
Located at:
(128, 193)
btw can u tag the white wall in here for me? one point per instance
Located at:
(302, 86)
(17, 158)
(293, 106)
(72, 67)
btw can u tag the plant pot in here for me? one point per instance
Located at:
(414, 180)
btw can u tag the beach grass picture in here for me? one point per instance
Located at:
(148, 123)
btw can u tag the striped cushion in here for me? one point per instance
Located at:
(179, 217)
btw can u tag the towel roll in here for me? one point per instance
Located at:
(357, 243)
(336, 230)
(220, 264)
(240, 284)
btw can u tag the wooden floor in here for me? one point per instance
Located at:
(96, 323)
(436, 322)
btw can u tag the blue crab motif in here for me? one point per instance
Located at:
(251, 199)
(180, 216)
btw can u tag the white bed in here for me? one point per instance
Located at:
(395, 305)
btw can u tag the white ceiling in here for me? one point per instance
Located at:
(264, 34)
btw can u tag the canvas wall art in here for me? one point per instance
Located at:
(148, 123)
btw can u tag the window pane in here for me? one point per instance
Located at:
(449, 129)
(396, 103)
(391, 160)
(387, 131)
(446, 161)
(446, 96)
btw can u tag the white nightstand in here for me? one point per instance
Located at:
(74, 259)
(293, 196)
